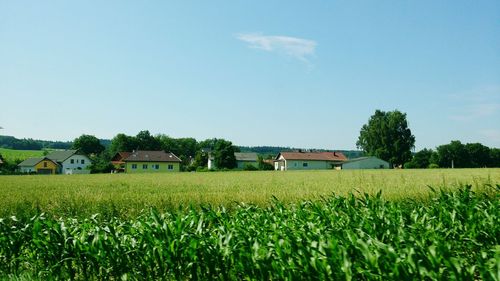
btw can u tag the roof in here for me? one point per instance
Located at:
(60, 156)
(364, 158)
(151, 156)
(119, 157)
(250, 156)
(33, 161)
(313, 156)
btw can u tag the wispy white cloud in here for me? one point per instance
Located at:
(291, 46)
(493, 135)
(483, 102)
(477, 111)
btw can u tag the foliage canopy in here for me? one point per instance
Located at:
(387, 136)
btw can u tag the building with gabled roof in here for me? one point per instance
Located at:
(244, 159)
(70, 161)
(370, 162)
(118, 161)
(39, 165)
(143, 161)
(308, 160)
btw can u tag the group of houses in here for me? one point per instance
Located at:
(57, 162)
(74, 162)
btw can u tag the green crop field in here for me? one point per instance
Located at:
(336, 225)
(128, 194)
(12, 154)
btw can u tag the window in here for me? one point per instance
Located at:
(144, 166)
(155, 166)
(170, 167)
(305, 164)
(134, 166)
(45, 164)
(83, 161)
(72, 161)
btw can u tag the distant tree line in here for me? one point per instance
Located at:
(31, 144)
(457, 155)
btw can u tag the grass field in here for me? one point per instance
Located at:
(407, 232)
(12, 154)
(126, 195)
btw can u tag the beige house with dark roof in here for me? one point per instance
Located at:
(308, 160)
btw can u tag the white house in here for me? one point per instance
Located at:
(308, 160)
(71, 162)
(366, 163)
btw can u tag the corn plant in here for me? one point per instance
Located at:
(454, 235)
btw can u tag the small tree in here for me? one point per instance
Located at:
(388, 137)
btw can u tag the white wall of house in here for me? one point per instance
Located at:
(74, 163)
(367, 163)
(27, 169)
(307, 165)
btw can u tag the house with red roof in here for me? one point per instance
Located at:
(308, 160)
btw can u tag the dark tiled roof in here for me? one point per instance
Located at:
(30, 162)
(364, 158)
(60, 156)
(151, 156)
(250, 156)
(313, 156)
(33, 161)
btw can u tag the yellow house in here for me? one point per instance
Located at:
(142, 161)
(39, 165)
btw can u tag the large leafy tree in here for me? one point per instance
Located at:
(122, 142)
(146, 141)
(224, 154)
(454, 154)
(387, 136)
(88, 144)
(495, 157)
(479, 155)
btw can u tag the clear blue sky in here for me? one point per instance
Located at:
(289, 73)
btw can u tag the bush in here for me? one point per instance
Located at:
(433, 166)
(410, 165)
(249, 167)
